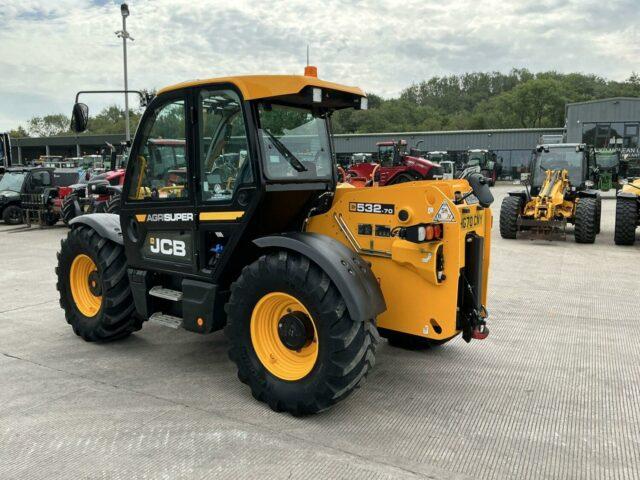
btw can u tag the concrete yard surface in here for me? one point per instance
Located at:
(553, 392)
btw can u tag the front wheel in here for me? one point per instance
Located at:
(68, 208)
(626, 221)
(94, 287)
(113, 205)
(291, 336)
(509, 213)
(585, 220)
(12, 215)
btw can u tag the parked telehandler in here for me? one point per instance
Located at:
(627, 213)
(559, 193)
(258, 240)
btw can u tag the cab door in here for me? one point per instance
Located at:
(158, 217)
(227, 185)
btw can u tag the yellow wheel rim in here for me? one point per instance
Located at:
(84, 285)
(277, 358)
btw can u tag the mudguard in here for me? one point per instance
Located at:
(106, 224)
(346, 269)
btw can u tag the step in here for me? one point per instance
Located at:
(166, 320)
(166, 293)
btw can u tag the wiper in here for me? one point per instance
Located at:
(286, 153)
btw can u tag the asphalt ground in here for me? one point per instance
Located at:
(552, 393)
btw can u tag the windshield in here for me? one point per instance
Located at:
(385, 152)
(295, 143)
(607, 160)
(559, 159)
(12, 181)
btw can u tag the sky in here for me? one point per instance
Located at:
(53, 48)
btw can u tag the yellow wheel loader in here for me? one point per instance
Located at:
(627, 213)
(560, 193)
(254, 238)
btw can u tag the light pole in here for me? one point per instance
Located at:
(124, 35)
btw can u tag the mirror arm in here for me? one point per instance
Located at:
(145, 98)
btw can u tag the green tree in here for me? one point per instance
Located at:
(48, 125)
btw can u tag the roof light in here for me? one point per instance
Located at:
(364, 103)
(317, 95)
(311, 71)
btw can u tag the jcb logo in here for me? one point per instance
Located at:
(166, 246)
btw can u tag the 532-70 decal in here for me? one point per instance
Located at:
(381, 208)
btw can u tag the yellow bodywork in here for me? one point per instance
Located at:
(417, 301)
(550, 204)
(632, 187)
(255, 87)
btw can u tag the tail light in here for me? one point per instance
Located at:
(425, 232)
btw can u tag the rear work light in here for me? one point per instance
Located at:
(425, 232)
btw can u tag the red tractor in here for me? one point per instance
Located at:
(395, 166)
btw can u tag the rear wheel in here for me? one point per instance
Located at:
(585, 220)
(12, 215)
(509, 213)
(626, 221)
(94, 286)
(291, 336)
(68, 208)
(113, 205)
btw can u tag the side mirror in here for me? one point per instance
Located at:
(480, 188)
(79, 117)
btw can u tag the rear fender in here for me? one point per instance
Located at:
(348, 271)
(106, 224)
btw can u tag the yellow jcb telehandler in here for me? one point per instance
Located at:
(559, 193)
(254, 237)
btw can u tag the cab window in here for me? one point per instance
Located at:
(160, 169)
(295, 143)
(224, 153)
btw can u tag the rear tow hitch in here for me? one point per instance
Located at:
(480, 332)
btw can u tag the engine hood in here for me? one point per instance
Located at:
(8, 194)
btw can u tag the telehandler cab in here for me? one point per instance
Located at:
(559, 193)
(256, 238)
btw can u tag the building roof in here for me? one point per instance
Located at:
(254, 87)
(605, 100)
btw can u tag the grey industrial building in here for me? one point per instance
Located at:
(598, 122)
(604, 122)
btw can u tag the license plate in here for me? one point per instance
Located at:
(471, 220)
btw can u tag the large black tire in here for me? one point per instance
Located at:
(598, 213)
(113, 205)
(510, 211)
(12, 215)
(411, 342)
(345, 348)
(626, 221)
(114, 318)
(585, 221)
(68, 208)
(50, 218)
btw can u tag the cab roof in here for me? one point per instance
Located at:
(255, 87)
